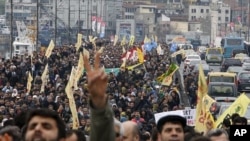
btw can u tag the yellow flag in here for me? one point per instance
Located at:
(44, 78)
(123, 42)
(70, 84)
(86, 53)
(167, 80)
(123, 50)
(132, 39)
(101, 50)
(79, 71)
(134, 66)
(49, 49)
(79, 41)
(123, 63)
(159, 49)
(115, 40)
(73, 110)
(200, 125)
(239, 106)
(30, 79)
(207, 102)
(140, 55)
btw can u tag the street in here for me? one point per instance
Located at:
(215, 68)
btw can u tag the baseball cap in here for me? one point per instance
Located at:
(171, 118)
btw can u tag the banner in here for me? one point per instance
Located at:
(189, 114)
(239, 106)
(139, 31)
(50, 49)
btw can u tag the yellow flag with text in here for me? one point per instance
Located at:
(200, 125)
(30, 79)
(79, 71)
(167, 80)
(207, 102)
(44, 78)
(49, 49)
(132, 39)
(140, 55)
(123, 42)
(79, 41)
(239, 106)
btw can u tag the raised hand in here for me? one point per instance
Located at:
(97, 82)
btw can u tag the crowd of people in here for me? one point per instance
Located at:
(109, 106)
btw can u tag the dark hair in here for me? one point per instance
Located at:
(48, 114)
(244, 120)
(80, 134)
(190, 135)
(234, 115)
(12, 131)
(226, 122)
(200, 138)
(237, 120)
(216, 132)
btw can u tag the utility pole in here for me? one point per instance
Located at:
(88, 19)
(55, 30)
(69, 24)
(79, 16)
(11, 28)
(37, 22)
(241, 16)
(248, 19)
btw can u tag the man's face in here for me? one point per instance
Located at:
(172, 131)
(41, 129)
(222, 137)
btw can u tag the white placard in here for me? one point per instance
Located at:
(189, 114)
(163, 114)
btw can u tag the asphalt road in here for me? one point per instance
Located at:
(214, 67)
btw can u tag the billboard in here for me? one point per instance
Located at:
(125, 30)
(139, 34)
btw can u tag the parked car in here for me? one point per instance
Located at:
(229, 62)
(243, 81)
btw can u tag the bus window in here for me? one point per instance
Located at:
(222, 42)
(234, 42)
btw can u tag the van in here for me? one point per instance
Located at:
(222, 77)
(214, 55)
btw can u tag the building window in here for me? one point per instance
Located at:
(193, 18)
(193, 10)
(226, 19)
(219, 11)
(226, 11)
(207, 10)
(219, 18)
(202, 10)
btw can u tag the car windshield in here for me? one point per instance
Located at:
(222, 90)
(193, 57)
(245, 75)
(241, 55)
(214, 51)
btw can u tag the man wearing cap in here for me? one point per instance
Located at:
(171, 127)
